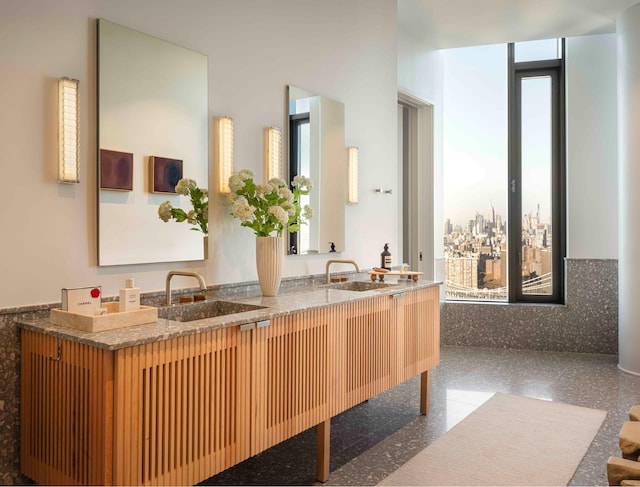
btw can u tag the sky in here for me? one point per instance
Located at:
(475, 135)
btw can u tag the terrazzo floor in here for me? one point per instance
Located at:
(371, 440)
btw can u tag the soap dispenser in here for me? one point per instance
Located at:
(385, 261)
(129, 297)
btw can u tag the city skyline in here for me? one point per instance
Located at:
(499, 217)
(476, 256)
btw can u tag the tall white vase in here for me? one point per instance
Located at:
(269, 255)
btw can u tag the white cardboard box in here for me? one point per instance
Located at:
(82, 301)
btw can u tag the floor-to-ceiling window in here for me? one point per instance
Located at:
(504, 172)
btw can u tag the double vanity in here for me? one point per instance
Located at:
(215, 382)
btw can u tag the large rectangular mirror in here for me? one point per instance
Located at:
(317, 150)
(152, 105)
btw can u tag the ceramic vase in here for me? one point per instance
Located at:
(269, 255)
(205, 242)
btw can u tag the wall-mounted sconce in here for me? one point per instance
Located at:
(224, 151)
(68, 140)
(352, 176)
(272, 153)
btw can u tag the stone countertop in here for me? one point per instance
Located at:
(313, 297)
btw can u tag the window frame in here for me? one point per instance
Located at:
(555, 68)
(295, 122)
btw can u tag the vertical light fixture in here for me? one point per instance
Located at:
(352, 176)
(68, 140)
(273, 153)
(224, 138)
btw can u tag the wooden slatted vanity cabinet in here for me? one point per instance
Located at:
(176, 410)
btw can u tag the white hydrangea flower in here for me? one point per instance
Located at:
(285, 193)
(307, 212)
(277, 182)
(235, 182)
(199, 197)
(291, 209)
(184, 185)
(245, 174)
(302, 182)
(280, 213)
(164, 211)
(242, 210)
(265, 208)
(269, 188)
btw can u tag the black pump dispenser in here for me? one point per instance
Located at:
(385, 261)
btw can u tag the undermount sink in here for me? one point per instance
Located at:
(360, 285)
(207, 309)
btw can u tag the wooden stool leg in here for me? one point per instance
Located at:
(323, 432)
(424, 392)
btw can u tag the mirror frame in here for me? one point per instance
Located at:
(152, 101)
(328, 196)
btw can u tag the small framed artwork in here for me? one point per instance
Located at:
(165, 174)
(116, 170)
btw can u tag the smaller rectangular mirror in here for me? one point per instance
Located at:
(317, 151)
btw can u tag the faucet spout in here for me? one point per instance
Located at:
(340, 261)
(197, 275)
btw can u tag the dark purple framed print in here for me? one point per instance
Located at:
(165, 174)
(116, 170)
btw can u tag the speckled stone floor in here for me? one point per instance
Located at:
(372, 439)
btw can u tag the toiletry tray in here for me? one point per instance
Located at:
(381, 275)
(110, 321)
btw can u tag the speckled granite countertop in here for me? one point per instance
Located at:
(164, 329)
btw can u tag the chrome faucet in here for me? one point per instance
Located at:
(340, 261)
(197, 275)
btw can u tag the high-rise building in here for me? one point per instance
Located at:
(448, 228)
(479, 224)
(492, 213)
(545, 260)
(462, 271)
(493, 272)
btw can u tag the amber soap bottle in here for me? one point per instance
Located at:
(385, 258)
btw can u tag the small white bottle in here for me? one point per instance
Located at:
(129, 297)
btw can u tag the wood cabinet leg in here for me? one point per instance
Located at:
(424, 392)
(323, 432)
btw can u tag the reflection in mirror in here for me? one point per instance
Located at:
(317, 150)
(152, 104)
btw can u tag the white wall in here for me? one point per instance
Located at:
(628, 28)
(420, 73)
(344, 50)
(592, 204)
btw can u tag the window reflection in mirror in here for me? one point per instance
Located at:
(299, 163)
(317, 150)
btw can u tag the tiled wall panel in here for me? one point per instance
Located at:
(588, 323)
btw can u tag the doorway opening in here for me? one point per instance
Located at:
(416, 175)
